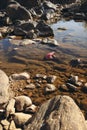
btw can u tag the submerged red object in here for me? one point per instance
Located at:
(50, 55)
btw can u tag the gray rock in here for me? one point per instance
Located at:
(27, 26)
(21, 118)
(22, 102)
(44, 29)
(20, 76)
(71, 87)
(75, 62)
(42, 76)
(30, 3)
(84, 88)
(51, 78)
(50, 42)
(47, 15)
(49, 5)
(64, 88)
(73, 79)
(31, 109)
(14, 10)
(4, 88)
(10, 109)
(30, 86)
(59, 113)
(49, 88)
(79, 84)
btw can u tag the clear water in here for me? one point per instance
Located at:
(71, 32)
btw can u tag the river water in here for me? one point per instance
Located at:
(71, 35)
(71, 32)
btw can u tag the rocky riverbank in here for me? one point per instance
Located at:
(35, 68)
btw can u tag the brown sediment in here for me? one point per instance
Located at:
(31, 60)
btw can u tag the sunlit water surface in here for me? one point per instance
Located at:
(71, 32)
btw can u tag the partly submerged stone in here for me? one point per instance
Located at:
(49, 88)
(21, 76)
(58, 113)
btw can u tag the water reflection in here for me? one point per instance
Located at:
(74, 32)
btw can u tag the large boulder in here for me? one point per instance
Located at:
(29, 3)
(16, 11)
(59, 113)
(4, 88)
(44, 29)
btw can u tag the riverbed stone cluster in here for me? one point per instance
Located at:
(16, 112)
(28, 19)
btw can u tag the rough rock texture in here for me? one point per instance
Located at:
(59, 113)
(29, 3)
(22, 102)
(10, 109)
(4, 88)
(21, 118)
(14, 11)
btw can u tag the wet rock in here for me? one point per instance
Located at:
(19, 32)
(71, 87)
(48, 14)
(42, 76)
(31, 109)
(4, 88)
(83, 104)
(27, 26)
(84, 88)
(49, 5)
(26, 42)
(20, 76)
(73, 79)
(30, 86)
(5, 124)
(21, 118)
(2, 114)
(79, 84)
(44, 29)
(38, 85)
(4, 20)
(10, 109)
(30, 3)
(79, 16)
(50, 42)
(75, 62)
(22, 102)
(64, 88)
(50, 88)
(58, 109)
(14, 11)
(23, 42)
(51, 78)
